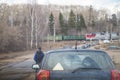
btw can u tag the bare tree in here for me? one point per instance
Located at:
(32, 21)
(36, 24)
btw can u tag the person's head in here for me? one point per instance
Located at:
(39, 48)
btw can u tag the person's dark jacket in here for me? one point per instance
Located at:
(38, 56)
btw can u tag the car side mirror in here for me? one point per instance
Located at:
(35, 66)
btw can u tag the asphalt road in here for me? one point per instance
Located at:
(18, 68)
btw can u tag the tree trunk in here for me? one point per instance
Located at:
(32, 27)
(36, 34)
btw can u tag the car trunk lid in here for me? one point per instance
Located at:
(80, 75)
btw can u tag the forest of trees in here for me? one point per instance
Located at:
(25, 26)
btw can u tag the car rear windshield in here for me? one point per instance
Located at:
(74, 60)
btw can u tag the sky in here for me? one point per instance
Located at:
(98, 4)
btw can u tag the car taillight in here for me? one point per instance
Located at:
(115, 75)
(43, 75)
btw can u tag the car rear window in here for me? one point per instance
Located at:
(73, 60)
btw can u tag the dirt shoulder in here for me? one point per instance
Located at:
(115, 55)
(7, 58)
(14, 54)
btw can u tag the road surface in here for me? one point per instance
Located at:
(17, 68)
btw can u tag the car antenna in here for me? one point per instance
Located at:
(76, 45)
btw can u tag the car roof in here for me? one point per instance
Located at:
(74, 50)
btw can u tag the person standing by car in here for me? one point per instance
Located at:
(38, 56)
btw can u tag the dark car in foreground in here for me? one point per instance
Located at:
(74, 64)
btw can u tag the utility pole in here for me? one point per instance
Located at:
(111, 30)
(54, 33)
(11, 18)
(47, 22)
(90, 15)
(91, 19)
(119, 31)
(11, 15)
(110, 22)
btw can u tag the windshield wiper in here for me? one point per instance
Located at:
(77, 69)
